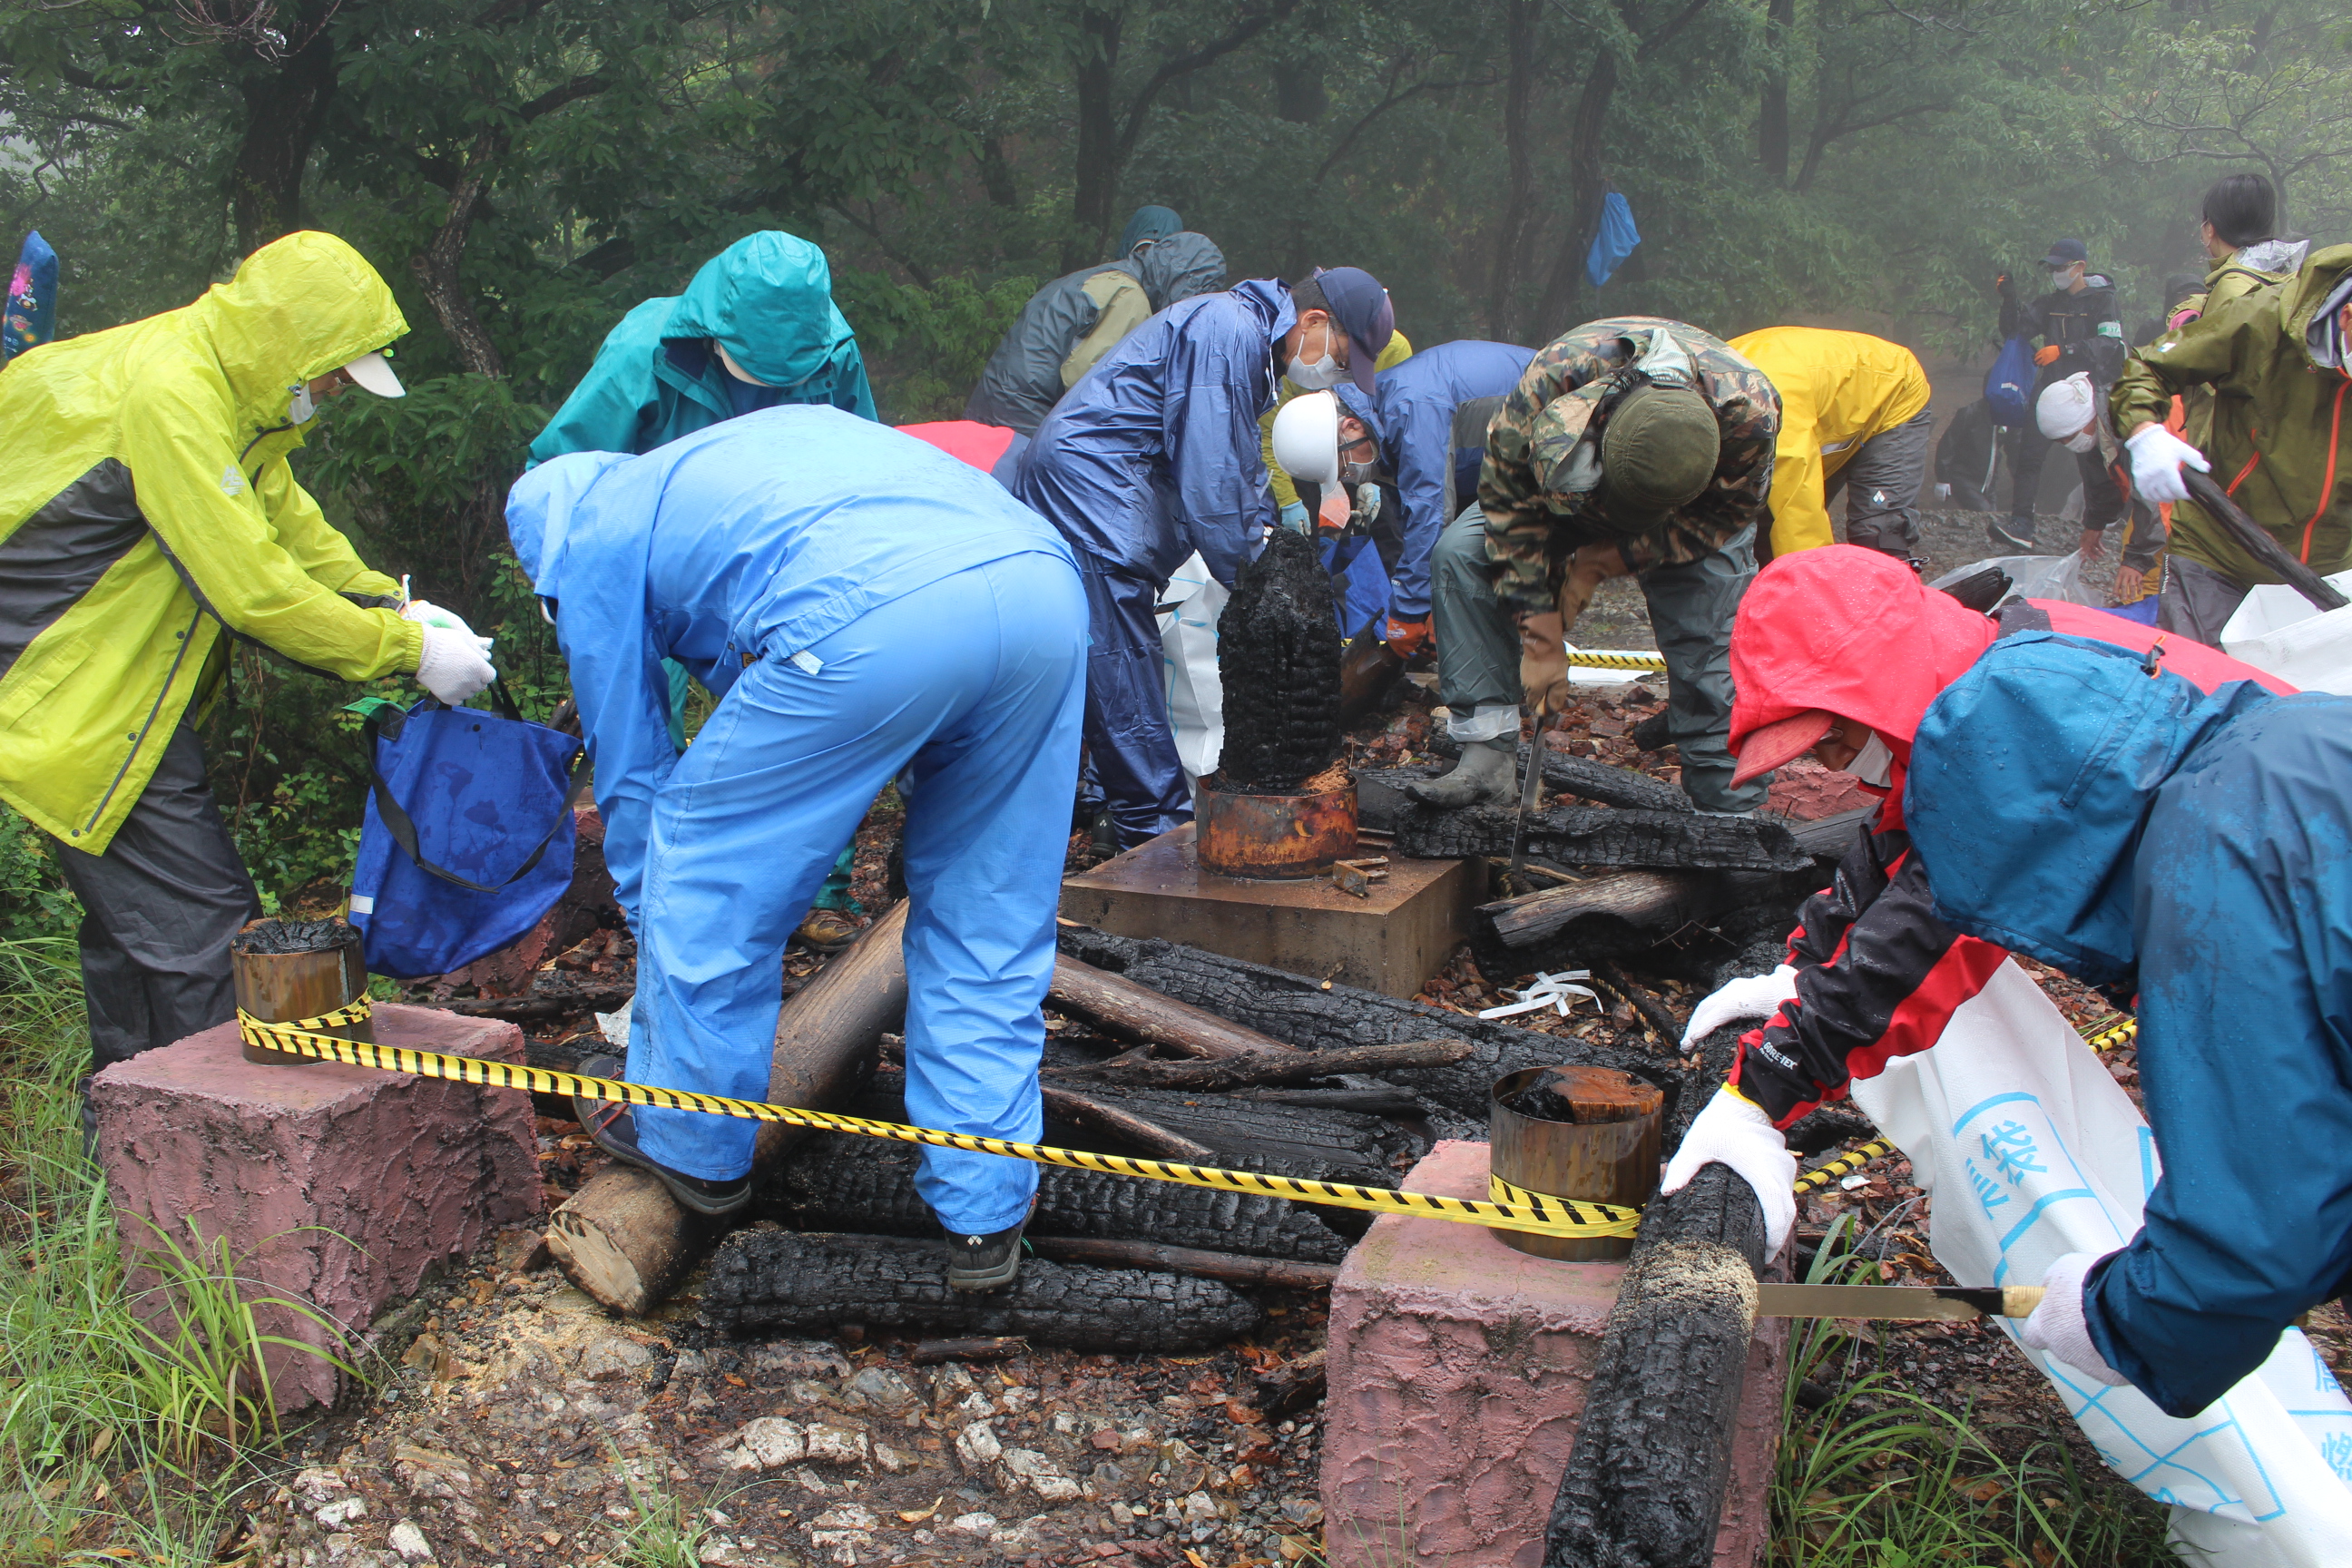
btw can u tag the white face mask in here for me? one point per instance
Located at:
(1320, 375)
(2088, 438)
(1871, 764)
(303, 407)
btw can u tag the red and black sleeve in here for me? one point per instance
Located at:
(1877, 977)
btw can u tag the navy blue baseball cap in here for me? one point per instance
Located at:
(1361, 308)
(2066, 253)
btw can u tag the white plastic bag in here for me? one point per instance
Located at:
(2058, 577)
(2030, 1150)
(1188, 644)
(2276, 629)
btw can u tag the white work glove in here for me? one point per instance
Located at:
(2156, 454)
(426, 612)
(1752, 996)
(1733, 1131)
(2057, 1326)
(453, 665)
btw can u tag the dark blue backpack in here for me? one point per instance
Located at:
(2008, 385)
(468, 833)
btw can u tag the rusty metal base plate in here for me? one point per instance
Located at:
(1391, 941)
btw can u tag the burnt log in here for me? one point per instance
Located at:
(1287, 1065)
(1307, 1014)
(1589, 779)
(1312, 1142)
(1232, 1267)
(867, 1185)
(1371, 1101)
(1623, 909)
(781, 1280)
(1593, 836)
(1665, 1030)
(1644, 1483)
(1119, 1006)
(931, 1352)
(1117, 1124)
(626, 1246)
(1279, 663)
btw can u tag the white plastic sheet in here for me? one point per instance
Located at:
(1188, 644)
(2058, 577)
(2030, 1150)
(2276, 629)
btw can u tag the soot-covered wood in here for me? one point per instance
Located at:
(1278, 662)
(866, 1184)
(1582, 835)
(785, 1280)
(1589, 778)
(1644, 1483)
(1306, 1013)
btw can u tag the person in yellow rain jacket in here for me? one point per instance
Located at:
(1286, 502)
(1853, 416)
(147, 514)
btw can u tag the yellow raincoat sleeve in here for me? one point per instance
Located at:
(1400, 349)
(211, 522)
(314, 544)
(1801, 514)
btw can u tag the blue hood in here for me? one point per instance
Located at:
(2032, 778)
(539, 508)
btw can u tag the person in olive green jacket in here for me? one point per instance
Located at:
(148, 514)
(2280, 442)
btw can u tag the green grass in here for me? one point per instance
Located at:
(132, 1417)
(1879, 1478)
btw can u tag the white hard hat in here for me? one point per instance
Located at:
(1307, 438)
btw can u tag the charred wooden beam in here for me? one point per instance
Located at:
(1314, 1142)
(1119, 1006)
(796, 1283)
(1584, 836)
(1645, 1480)
(1306, 1013)
(1232, 1267)
(1286, 1066)
(1120, 1125)
(866, 1184)
(1278, 662)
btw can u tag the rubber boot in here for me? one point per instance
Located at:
(1487, 775)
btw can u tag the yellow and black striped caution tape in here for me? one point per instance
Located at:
(2109, 1033)
(1845, 1164)
(1617, 660)
(1567, 1211)
(1567, 1217)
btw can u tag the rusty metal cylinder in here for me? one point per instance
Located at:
(288, 988)
(1608, 1154)
(1274, 838)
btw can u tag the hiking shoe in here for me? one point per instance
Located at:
(615, 1130)
(2016, 534)
(984, 1262)
(826, 930)
(1487, 775)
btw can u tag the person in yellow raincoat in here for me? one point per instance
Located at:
(147, 514)
(1853, 416)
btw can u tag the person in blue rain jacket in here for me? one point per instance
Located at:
(861, 603)
(2138, 833)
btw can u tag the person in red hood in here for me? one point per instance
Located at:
(1839, 651)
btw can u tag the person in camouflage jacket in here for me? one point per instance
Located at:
(1553, 520)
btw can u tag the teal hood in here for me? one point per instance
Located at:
(768, 300)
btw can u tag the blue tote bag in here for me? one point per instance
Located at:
(2008, 385)
(469, 834)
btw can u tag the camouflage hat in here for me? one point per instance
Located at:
(1657, 453)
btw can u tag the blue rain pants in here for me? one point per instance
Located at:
(973, 683)
(1128, 738)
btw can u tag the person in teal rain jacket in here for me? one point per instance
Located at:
(756, 329)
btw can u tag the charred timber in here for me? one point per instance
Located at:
(1103, 1120)
(862, 1183)
(1312, 1142)
(1306, 1013)
(932, 1352)
(1582, 835)
(1286, 1066)
(1279, 663)
(1120, 1007)
(783, 1280)
(1590, 780)
(1232, 1267)
(1644, 1483)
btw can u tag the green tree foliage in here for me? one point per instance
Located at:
(522, 172)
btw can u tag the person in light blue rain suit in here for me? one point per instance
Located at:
(1410, 421)
(1155, 454)
(757, 328)
(2137, 832)
(861, 603)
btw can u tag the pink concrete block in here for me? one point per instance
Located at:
(337, 1185)
(1458, 1368)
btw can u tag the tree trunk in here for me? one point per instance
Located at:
(1772, 110)
(1587, 185)
(1097, 168)
(1519, 191)
(437, 265)
(285, 104)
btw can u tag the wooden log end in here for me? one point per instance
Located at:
(622, 1239)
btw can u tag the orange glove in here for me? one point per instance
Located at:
(2047, 353)
(1408, 637)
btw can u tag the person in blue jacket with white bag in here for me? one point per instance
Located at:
(2141, 835)
(861, 603)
